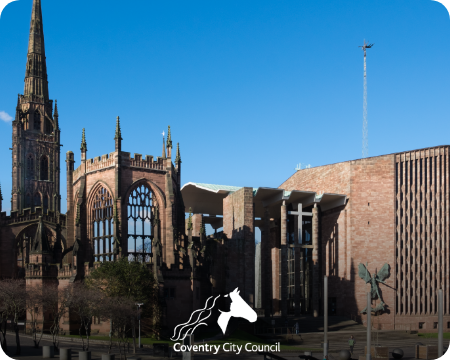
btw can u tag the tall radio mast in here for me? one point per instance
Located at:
(365, 140)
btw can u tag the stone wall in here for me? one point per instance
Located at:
(238, 226)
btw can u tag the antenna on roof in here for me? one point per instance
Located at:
(365, 140)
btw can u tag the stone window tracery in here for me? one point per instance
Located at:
(141, 207)
(30, 166)
(102, 225)
(44, 167)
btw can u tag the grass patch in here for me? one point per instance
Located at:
(434, 335)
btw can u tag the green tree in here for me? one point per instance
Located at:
(133, 280)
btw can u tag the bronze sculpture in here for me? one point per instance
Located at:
(379, 277)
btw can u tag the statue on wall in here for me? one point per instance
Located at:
(379, 277)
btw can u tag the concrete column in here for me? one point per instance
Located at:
(197, 220)
(325, 316)
(276, 296)
(315, 259)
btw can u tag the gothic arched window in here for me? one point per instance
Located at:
(30, 166)
(140, 206)
(44, 167)
(37, 200)
(37, 120)
(102, 225)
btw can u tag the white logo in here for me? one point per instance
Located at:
(238, 308)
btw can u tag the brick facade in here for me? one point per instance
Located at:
(380, 224)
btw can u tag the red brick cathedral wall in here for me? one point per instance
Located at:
(363, 231)
(397, 213)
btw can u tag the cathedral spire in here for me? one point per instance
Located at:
(169, 144)
(36, 69)
(56, 116)
(169, 138)
(178, 157)
(83, 142)
(118, 136)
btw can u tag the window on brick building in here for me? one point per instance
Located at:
(30, 166)
(44, 167)
(141, 208)
(102, 225)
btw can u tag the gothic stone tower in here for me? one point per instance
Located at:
(36, 134)
(31, 238)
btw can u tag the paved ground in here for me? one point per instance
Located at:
(338, 341)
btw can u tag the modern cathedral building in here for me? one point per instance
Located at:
(326, 221)
(386, 215)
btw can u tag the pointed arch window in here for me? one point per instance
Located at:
(44, 167)
(102, 225)
(37, 120)
(30, 166)
(141, 208)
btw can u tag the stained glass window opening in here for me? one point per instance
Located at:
(141, 207)
(102, 225)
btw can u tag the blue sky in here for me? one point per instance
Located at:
(250, 88)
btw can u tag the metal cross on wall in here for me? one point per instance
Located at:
(300, 214)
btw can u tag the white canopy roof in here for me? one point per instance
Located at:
(208, 199)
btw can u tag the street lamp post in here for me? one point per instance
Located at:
(139, 317)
